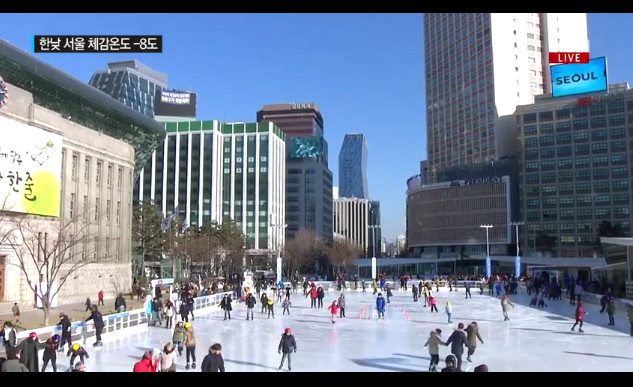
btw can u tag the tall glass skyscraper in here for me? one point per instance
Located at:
(352, 167)
(132, 83)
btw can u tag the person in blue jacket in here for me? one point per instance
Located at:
(380, 306)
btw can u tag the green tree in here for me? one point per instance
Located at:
(147, 234)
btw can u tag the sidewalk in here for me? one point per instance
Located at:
(34, 319)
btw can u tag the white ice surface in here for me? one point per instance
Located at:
(533, 340)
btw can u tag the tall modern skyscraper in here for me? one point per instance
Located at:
(308, 178)
(352, 164)
(131, 83)
(480, 66)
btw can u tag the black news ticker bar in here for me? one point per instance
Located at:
(97, 43)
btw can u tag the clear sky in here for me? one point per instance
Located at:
(364, 71)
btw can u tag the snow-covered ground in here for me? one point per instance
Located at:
(533, 340)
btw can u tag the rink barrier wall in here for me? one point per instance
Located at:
(332, 286)
(123, 324)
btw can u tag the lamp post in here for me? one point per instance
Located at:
(278, 245)
(373, 258)
(517, 259)
(488, 264)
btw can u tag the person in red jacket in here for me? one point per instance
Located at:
(313, 294)
(333, 310)
(146, 364)
(580, 316)
(100, 297)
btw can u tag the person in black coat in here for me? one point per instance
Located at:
(250, 304)
(450, 364)
(213, 362)
(66, 329)
(97, 319)
(287, 345)
(50, 353)
(458, 342)
(225, 305)
(184, 311)
(29, 352)
(9, 335)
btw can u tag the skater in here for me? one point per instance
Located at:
(271, 307)
(467, 286)
(66, 327)
(213, 362)
(280, 295)
(333, 311)
(341, 305)
(184, 311)
(362, 284)
(611, 311)
(313, 294)
(50, 353)
(426, 291)
(630, 314)
(190, 346)
(288, 293)
(29, 352)
(541, 302)
(251, 301)
(146, 364)
(374, 285)
(491, 285)
(167, 359)
(580, 316)
(472, 335)
(286, 305)
(120, 304)
(225, 305)
(433, 303)
(380, 306)
(287, 345)
(433, 343)
(264, 301)
(13, 364)
(97, 319)
(389, 294)
(179, 336)
(481, 288)
(450, 364)
(321, 296)
(414, 290)
(481, 368)
(505, 301)
(168, 311)
(77, 350)
(449, 311)
(458, 342)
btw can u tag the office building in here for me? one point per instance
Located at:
(132, 83)
(375, 233)
(352, 221)
(480, 66)
(352, 164)
(209, 171)
(295, 119)
(308, 178)
(576, 169)
(86, 163)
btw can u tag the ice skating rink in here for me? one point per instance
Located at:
(533, 340)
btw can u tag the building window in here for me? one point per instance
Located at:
(87, 169)
(86, 208)
(119, 178)
(74, 166)
(71, 206)
(118, 212)
(107, 214)
(110, 173)
(98, 177)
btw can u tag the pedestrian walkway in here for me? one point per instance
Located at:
(34, 318)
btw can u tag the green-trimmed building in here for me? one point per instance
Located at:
(208, 171)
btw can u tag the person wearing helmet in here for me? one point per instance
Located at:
(190, 346)
(28, 352)
(287, 345)
(65, 327)
(451, 364)
(76, 350)
(50, 353)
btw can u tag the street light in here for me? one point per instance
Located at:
(517, 259)
(373, 258)
(282, 227)
(488, 265)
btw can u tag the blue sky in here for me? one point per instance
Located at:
(364, 71)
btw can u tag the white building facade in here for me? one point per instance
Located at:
(351, 221)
